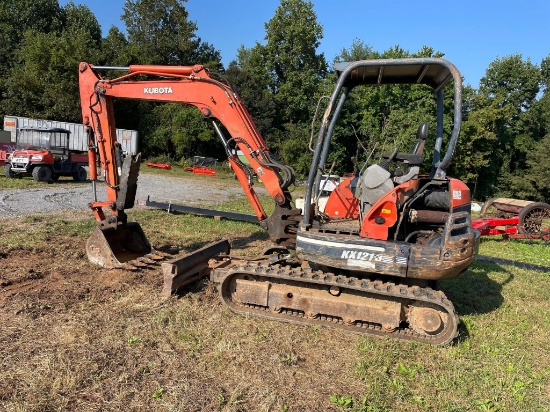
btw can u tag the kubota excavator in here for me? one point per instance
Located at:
(368, 263)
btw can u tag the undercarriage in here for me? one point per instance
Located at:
(298, 294)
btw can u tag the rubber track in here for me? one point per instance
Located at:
(402, 292)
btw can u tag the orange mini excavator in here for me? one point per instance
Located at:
(369, 262)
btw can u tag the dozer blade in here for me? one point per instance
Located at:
(183, 270)
(125, 247)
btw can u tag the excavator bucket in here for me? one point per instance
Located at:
(125, 247)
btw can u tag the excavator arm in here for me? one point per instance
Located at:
(190, 85)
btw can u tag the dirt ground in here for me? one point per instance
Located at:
(75, 337)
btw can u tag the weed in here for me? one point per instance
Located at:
(259, 337)
(289, 359)
(343, 402)
(409, 372)
(350, 403)
(397, 384)
(158, 393)
(488, 405)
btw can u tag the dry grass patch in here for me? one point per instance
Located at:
(75, 337)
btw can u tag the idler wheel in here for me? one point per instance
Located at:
(426, 320)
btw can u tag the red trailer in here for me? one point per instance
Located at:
(514, 218)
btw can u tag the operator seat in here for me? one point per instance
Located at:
(413, 160)
(378, 180)
(421, 135)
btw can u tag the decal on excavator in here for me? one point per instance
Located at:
(353, 255)
(157, 90)
(319, 242)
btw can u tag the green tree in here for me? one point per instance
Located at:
(296, 70)
(533, 181)
(358, 50)
(474, 160)
(45, 82)
(115, 49)
(510, 87)
(511, 81)
(534, 184)
(385, 116)
(250, 77)
(293, 36)
(257, 100)
(180, 132)
(16, 18)
(160, 32)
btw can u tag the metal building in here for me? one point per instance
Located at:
(78, 140)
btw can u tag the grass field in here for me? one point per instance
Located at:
(75, 337)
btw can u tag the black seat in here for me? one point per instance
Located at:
(421, 135)
(415, 157)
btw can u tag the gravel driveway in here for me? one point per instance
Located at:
(74, 196)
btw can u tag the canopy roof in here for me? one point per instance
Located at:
(430, 71)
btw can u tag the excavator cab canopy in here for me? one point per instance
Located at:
(432, 72)
(384, 72)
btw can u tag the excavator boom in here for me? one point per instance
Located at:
(217, 101)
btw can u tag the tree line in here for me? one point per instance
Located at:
(504, 148)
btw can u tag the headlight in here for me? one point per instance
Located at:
(37, 158)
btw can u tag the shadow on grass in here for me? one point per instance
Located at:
(515, 263)
(526, 241)
(475, 292)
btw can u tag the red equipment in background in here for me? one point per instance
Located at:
(514, 218)
(159, 165)
(5, 150)
(200, 170)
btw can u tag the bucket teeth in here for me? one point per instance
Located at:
(151, 259)
(157, 255)
(118, 247)
(122, 247)
(138, 264)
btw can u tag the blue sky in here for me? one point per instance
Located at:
(470, 33)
